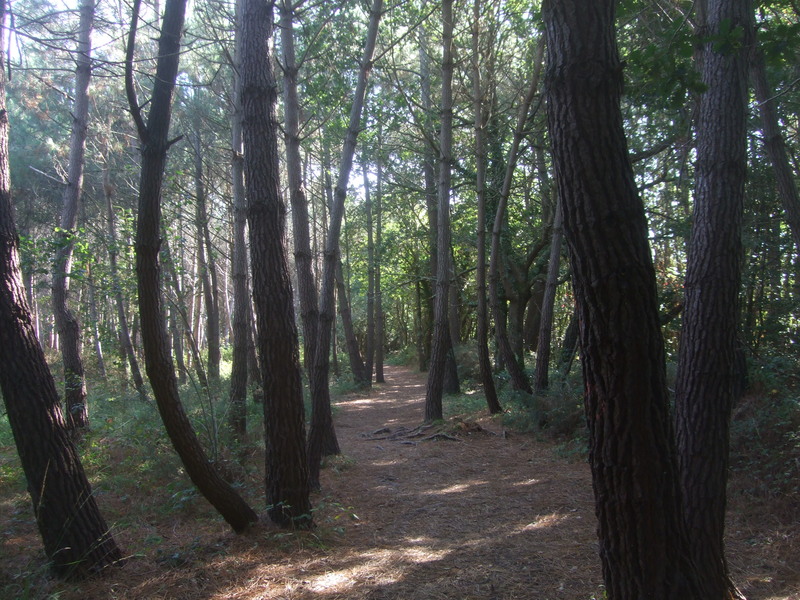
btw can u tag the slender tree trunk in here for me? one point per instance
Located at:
(707, 370)
(66, 322)
(76, 538)
(301, 235)
(205, 262)
(380, 320)
(357, 367)
(237, 416)
(548, 303)
(158, 360)
(487, 379)
(93, 315)
(441, 331)
(321, 419)
(369, 359)
(775, 147)
(519, 380)
(284, 420)
(643, 544)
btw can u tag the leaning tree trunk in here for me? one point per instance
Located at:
(278, 346)
(487, 378)
(321, 419)
(155, 338)
(707, 371)
(441, 330)
(644, 547)
(67, 324)
(75, 535)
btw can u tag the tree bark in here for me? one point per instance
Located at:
(442, 344)
(158, 360)
(287, 471)
(68, 328)
(76, 538)
(237, 417)
(301, 235)
(369, 351)
(321, 419)
(643, 543)
(487, 378)
(705, 383)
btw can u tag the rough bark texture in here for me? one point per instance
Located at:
(303, 257)
(278, 346)
(487, 378)
(240, 326)
(155, 338)
(441, 330)
(67, 324)
(642, 541)
(75, 535)
(321, 420)
(705, 383)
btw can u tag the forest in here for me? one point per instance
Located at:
(363, 299)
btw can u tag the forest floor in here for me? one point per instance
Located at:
(464, 510)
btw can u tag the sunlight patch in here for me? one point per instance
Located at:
(546, 521)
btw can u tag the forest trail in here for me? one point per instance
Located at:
(462, 511)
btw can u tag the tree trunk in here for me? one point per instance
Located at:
(705, 383)
(158, 360)
(487, 378)
(357, 367)
(301, 235)
(321, 419)
(643, 543)
(546, 318)
(66, 322)
(93, 315)
(284, 421)
(206, 264)
(380, 320)
(442, 344)
(369, 351)
(519, 380)
(775, 147)
(75, 535)
(237, 416)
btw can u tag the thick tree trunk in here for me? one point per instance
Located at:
(487, 378)
(237, 415)
(442, 344)
(75, 535)
(321, 419)
(284, 421)
(643, 544)
(158, 360)
(705, 383)
(68, 328)
(546, 319)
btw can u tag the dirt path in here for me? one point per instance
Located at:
(483, 515)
